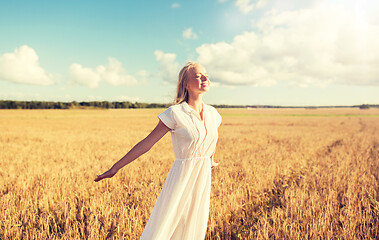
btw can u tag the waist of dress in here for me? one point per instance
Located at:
(194, 158)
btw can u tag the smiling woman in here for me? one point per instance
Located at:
(182, 208)
(193, 76)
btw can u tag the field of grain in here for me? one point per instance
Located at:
(283, 174)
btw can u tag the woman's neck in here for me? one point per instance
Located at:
(196, 102)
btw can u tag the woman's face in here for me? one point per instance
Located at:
(198, 81)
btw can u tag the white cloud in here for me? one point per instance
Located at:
(127, 99)
(290, 5)
(175, 5)
(247, 6)
(33, 96)
(116, 98)
(143, 76)
(168, 66)
(188, 34)
(327, 43)
(12, 95)
(113, 74)
(22, 66)
(84, 76)
(261, 3)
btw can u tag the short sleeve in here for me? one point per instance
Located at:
(218, 118)
(167, 118)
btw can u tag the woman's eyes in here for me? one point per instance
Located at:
(199, 76)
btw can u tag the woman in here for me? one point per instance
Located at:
(182, 209)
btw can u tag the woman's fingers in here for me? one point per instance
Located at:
(98, 178)
(101, 177)
(214, 164)
(107, 174)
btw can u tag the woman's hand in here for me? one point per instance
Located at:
(108, 174)
(140, 148)
(213, 163)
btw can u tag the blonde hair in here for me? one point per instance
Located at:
(182, 92)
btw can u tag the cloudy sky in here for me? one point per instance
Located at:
(276, 52)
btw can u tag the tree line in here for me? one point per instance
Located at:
(9, 104)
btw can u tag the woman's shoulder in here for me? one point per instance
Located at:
(175, 107)
(214, 113)
(181, 107)
(211, 108)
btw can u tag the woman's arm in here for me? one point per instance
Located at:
(140, 148)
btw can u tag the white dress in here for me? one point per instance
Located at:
(182, 208)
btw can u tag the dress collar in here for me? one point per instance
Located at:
(190, 110)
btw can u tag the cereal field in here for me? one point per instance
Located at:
(283, 174)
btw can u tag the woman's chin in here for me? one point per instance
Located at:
(205, 88)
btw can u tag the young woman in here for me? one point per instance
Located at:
(182, 209)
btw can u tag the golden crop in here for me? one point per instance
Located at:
(283, 174)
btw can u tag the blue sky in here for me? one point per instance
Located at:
(276, 52)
